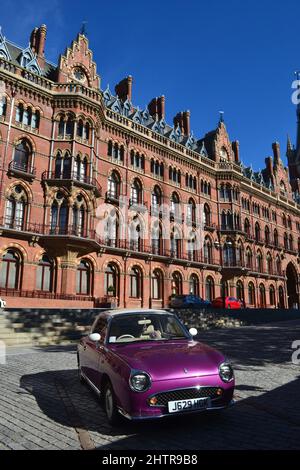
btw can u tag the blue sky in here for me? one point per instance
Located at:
(234, 56)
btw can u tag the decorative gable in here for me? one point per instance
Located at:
(77, 64)
(28, 61)
(4, 52)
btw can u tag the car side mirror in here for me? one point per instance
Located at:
(193, 331)
(95, 337)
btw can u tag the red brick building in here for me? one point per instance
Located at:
(67, 147)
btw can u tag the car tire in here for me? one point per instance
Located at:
(109, 402)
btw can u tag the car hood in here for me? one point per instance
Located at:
(173, 359)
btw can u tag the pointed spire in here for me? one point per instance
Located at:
(289, 145)
(83, 31)
(221, 118)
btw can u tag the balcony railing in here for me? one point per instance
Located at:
(43, 295)
(22, 169)
(83, 180)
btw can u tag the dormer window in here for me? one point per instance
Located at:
(224, 155)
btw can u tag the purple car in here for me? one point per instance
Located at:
(145, 364)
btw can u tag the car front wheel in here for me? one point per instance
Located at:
(110, 404)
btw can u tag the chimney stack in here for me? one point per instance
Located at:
(42, 33)
(269, 165)
(183, 120)
(156, 108)
(236, 150)
(276, 152)
(124, 89)
(33, 40)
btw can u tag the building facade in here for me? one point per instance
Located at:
(78, 161)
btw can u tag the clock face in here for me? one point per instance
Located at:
(79, 75)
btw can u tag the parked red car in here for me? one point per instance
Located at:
(227, 302)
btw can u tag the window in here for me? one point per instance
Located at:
(15, 210)
(19, 113)
(59, 215)
(175, 243)
(3, 106)
(22, 156)
(278, 265)
(113, 188)
(228, 254)
(206, 215)
(155, 200)
(257, 232)
(83, 278)
(79, 215)
(112, 280)
(44, 276)
(209, 288)
(275, 238)
(249, 258)
(269, 264)
(267, 235)
(156, 238)
(259, 262)
(157, 284)
(10, 270)
(135, 282)
(262, 296)
(272, 295)
(207, 250)
(239, 290)
(251, 293)
(176, 283)
(194, 284)
(136, 194)
(175, 206)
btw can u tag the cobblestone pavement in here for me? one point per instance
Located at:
(43, 406)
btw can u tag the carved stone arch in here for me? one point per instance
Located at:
(156, 184)
(75, 192)
(114, 261)
(140, 180)
(60, 114)
(179, 270)
(163, 271)
(17, 247)
(24, 185)
(137, 264)
(27, 138)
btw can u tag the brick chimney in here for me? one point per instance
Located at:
(156, 108)
(183, 120)
(33, 40)
(276, 152)
(42, 33)
(37, 43)
(124, 89)
(236, 150)
(269, 165)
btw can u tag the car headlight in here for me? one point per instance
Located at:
(139, 381)
(226, 372)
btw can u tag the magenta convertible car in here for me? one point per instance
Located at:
(145, 364)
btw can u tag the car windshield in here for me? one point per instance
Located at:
(145, 327)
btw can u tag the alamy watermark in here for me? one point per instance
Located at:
(296, 353)
(2, 352)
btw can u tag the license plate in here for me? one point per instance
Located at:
(186, 405)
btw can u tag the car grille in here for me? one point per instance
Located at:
(185, 394)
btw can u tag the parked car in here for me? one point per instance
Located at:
(2, 303)
(227, 302)
(188, 300)
(146, 364)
